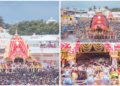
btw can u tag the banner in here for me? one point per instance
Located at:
(66, 16)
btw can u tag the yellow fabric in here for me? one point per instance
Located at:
(119, 79)
(70, 57)
(41, 66)
(113, 73)
(0, 66)
(6, 66)
(98, 68)
(74, 76)
(66, 16)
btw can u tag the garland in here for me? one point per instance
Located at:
(87, 47)
(61, 55)
(98, 47)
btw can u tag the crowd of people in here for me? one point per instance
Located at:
(81, 32)
(48, 46)
(28, 74)
(94, 73)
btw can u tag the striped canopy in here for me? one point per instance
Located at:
(99, 20)
(110, 15)
(17, 47)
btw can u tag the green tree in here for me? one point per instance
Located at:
(106, 7)
(39, 27)
(115, 10)
(90, 9)
(6, 25)
(1, 22)
(94, 7)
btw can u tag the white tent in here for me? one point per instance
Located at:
(47, 38)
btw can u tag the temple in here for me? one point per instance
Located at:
(41, 49)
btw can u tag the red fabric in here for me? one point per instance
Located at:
(110, 15)
(88, 62)
(68, 47)
(119, 70)
(16, 81)
(13, 48)
(4, 66)
(99, 20)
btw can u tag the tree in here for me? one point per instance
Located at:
(90, 9)
(106, 7)
(115, 10)
(38, 27)
(7, 25)
(1, 22)
(94, 7)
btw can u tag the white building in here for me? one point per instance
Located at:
(51, 20)
(34, 42)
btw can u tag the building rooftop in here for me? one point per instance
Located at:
(5, 37)
(43, 50)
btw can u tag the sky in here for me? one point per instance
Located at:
(85, 5)
(17, 11)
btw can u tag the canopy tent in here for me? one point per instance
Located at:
(47, 38)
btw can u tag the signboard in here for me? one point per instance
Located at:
(66, 16)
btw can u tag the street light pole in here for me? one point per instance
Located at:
(67, 15)
(74, 18)
(80, 16)
(88, 17)
(75, 14)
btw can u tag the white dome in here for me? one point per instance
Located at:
(34, 36)
(51, 20)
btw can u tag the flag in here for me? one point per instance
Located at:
(22, 74)
(34, 75)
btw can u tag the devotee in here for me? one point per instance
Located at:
(81, 32)
(105, 79)
(81, 72)
(97, 73)
(74, 74)
(68, 80)
(47, 76)
(90, 80)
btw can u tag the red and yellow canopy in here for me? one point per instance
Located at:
(17, 47)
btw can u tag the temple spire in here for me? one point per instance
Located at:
(99, 12)
(99, 9)
(16, 35)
